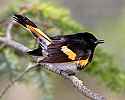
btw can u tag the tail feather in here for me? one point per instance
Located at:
(24, 21)
(32, 28)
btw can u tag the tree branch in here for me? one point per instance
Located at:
(13, 44)
(8, 31)
(77, 83)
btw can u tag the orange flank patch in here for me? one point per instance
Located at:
(82, 62)
(39, 33)
(71, 55)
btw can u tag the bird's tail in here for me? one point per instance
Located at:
(29, 25)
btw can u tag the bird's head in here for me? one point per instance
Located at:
(90, 39)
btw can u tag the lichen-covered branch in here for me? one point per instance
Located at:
(77, 83)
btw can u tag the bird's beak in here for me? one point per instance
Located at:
(99, 41)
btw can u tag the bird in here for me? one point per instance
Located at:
(77, 48)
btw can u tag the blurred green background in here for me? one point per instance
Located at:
(104, 18)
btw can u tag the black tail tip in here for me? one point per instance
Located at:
(20, 19)
(18, 15)
(23, 20)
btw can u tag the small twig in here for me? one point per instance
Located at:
(30, 67)
(13, 44)
(8, 31)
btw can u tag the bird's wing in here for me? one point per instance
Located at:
(55, 54)
(59, 51)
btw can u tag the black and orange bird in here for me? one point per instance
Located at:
(78, 48)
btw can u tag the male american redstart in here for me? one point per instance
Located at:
(78, 48)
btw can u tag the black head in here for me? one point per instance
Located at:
(90, 39)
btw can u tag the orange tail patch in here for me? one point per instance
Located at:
(38, 33)
(32, 28)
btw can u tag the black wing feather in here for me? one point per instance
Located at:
(36, 52)
(55, 55)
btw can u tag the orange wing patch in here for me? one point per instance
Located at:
(71, 55)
